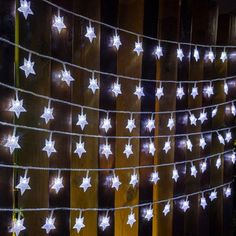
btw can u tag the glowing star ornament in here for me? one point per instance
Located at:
(138, 47)
(58, 22)
(194, 91)
(86, 182)
(203, 166)
(79, 223)
(90, 33)
(25, 8)
(66, 76)
(196, 54)
(171, 122)
(233, 158)
(223, 56)
(202, 142)
(151, 148)
(128, 150)
(166, 209)
(167, 146)
(116, 41)
(105, 222)
(209, 90)
(203, 116)
(159, 92)
(17, 225)
(49, 146)
(82, 120)
(228, 192)
(149, 214)
(106, 124)
(233, 109)
(193, 171)
(203, 202)
(150, 124)
(213, 195)
(28, 67)
(185, 205)
(211, 56)
(115, 182)
(131, 219)
(49, 224)
(189, 144)
(57, 183)
(93, 84)
(228, 136)
(218, 162)
(180, 92)
(47, 113)
(116, 88)
(155, 177)
(139, 91)
(192, 119)
(12, 142)
(17, 106)
(23, 184)
(180, 53)
(175, 174)
(130, 124)
(80, 148)
(133, 179)
(226, 88)
(158, 51)
(220, 138)
(106, 150)
(214, 112)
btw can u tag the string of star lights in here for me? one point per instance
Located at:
(182, 201)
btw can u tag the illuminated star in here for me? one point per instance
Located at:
(159, 92)
(90, 33)
(171, 123)
(151, 148)
(158, 52)
(150, 124)
(209, 90)
(80, 149)
(189, 144)
(211, 56)
(226, 88)
(185, 205)
(17, 107)
(218, 162)
(66, 76)
(193, 171)
(202, 142)
(228, 136)
(221, 139)
(106, 124)
(130, 125)
(25, 8)
(196, 54)
(86, 183)
(203, 202)
(57, 184)
(133, 180)
(79, 224)
(131, 219)
(49, 147)
(228, 192)
(193, 119)
(203, 166)
(180, 92)
(59, 23)
(166, 209)
(214, 112)
(82, 120)
(194, 92)
(49, 224)
(116, 182)
(180, 54)
(12, 143)
(149, 214)
(233, 158)
(233, 109)
(223, 56)
(213, 195)
(28, 67)
(202, 117)
(139, 91)
(167, 146)
(116, 41)
(17, 226)
(128, 150)
(155, 177)
(106, 150)
(47, 114)
(93, 85)
(105, 222)
(116, 88)
(175, 174)
(23, 184)
(138, 48)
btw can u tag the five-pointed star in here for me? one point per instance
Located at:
(79, 224)
(105, 222)
(171, 123)
(193, 119)
(203, 166)
(218, 162)
(66, 76)
(180, 92)
(228, 192)
(25, 8)
(49, 147)
(196, 54)
(203, 202)
(189, 144)
(155, 177)
(202, 117)
(57, 184)
(223, 56)
(151, 148)
(23, 184)
(93, 85)
(90, 33)
(106, 124)
(106, 150)
(138, 48)
(28, 67)
(202, 142)
(59, 23)
(193, 171)
(116, 88)
(175, 175)
(150, 124)
(180, 54)
(80, 149)
(131, 219)
(128, 150)
(116, 182)
(185, 205)
(159, 92)
(158, 52)
(12, 143)
(82, 120)
(139, 92)
(17, 107)
(130, 125)
(209, 91)
(214, 112)
(228, 136)
(86, 183)
(194, 92)
(211, 56)
(149, 214)
(226, 88)
(49, 224)
(166, 209)
(221, 139)
(233, 109)
(17, 226)
(116, 41)
(233, 158)
(213, 195)
(133, 180)
(47, 114)
(167, 146)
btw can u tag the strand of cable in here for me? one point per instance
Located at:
(64, 63)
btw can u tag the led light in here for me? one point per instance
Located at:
(223, 56)
(158, 51)
(47, 113)
(166, 208)
(131, 219)
(203, 166)
(203, 202)
(139, 91)
(116, 88)
(211, 56)
(171, 122)
(175, 174)
(116, 41)
(228, 136)
(131, 124)
(218, 162)
(194, 91)
(25, 8)
(17, 225)
(155, 177)
(138, 47)
(28, 67)
(196, 54)
(180, 92)
(233, 109)
(149, 214)
(185, 205)
(66, 76)
(128, 149)
(57, 183)
(86, 183)
(82, 120)
(167, 145)
(106, 124)
(233, 157)
(49, 224)
(209, 90)
(12, 142)
(214, 112)
(151, 148)
(203, 116)
(228, 191)
(93, 84)
(159, 92)
(226, 88)
(90, 33)
(133, 179)
(106, 149)
(202, 142)
(79, 223)
(213, 195)
(17, 106)
(24, 183)
(80, 148)
(49, 146)
(193, 171)
(189, 144)
(192, 119)
(180, 54)
(150, 124)
(220, 138)
(58, 22)
(105, 222)
(115, 182)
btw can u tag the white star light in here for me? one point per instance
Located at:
(17, 107)
(194, 91)
(139, 91)
(149, 214)
(82, 120)
(104, 222)
(49, 224)
(228, 136)
(167, 146)
(93, 84)
(185, 205)
(209, 90)
(49, 147)
(115, 182)
(133, 179)
(17, 226)
(90, 33)
(106, 150)
(23, 184)
(128, 150)
(25, 8)
(12, 143)
(192, 119)
(180, 92)
(159, 92)
(155, 177)
(158, 52)
(233, 158)
(151, 148)
(226, 88)
(211, 56)
(106, 124)
(150, 124)
(166, 209)
(116, 41)
(228, 192)
(193, 171)
(214, 112)
(57, 184)
(189, 144)
(138, 47)
(218, 162)
(116, 88)
(196, 54)
(28, 67)
(131, 219)
(47, 114)
(130, 124)
(213, 195)
(202, 142)
(175, 174)
(221, 139)
(233, 109)
(171, 123)
(202, 117)
(66, 76)
(86, 183)
(203, 166)
(80, 149)
(58, 22)
(180, 54)
(203, 202)
(223, 56)
(79, 224)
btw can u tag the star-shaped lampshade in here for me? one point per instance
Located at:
(82, 120)
(80, 149)
(193, 171)
(47, 114)
(86, 183)
(203, 202)
(167, 146)
(202, 142)
(228, 136)
(131, 219)
(203, 166)
(202, 117)
(106, 150)
(159, 92)
(138, 48)
(130, 124)
(58, 22)
(90, 34)
(28, 67)
(116, 41)
(185, 205)
(166, 209)
(49, 147)
(17, 107)
(148, 214)
(223, 56)
(213, 195)
(209, 90)
(17, 226)
(150, 125)
(193, 119)
(133, 179)
(180, 92)
(116, 89)
(115, 182)
(12, 143)
(139, 91)
(25, 8)
(158, 52)
(79, 224)
(151, 148)
(175, 174)
(105, 222)
(180, 54)
(211, 56)
(106, 124)
(128, 150)
(57, 184)
(194, 92)
(23, 184)
(49, 224)
(189, 144)
(66, 76)
(171, 123)
(155, 177)
(93, 84)
(196, 54)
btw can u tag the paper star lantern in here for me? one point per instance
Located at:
(139, 91)
(189, 144)
(151, 148)
(28, 67)
(17, 106)
(203, 166)
(203, 202)
(194, 91)
(82, 120)
(214, 112)
(57, 183)
(166, 209)
(149, 214)
(86, 183)
(80, 148)
(221, 139)
(131, 219)
(192, 119)
(211, 56)
(218, 162)
(47, 113)
(213, 195)
(106, 150)
(209, 90)
(175, 174)
(116, 41)
(24, 183)
(228, 136)
(93, 84)
(131, 124)
(17, 225)
(228, 192)
(185, 205)
(12, 142)
(202, 142)
(196, 54)
(138, 47)
(79, 223)
(66, 76)
(167, 146)
(115, 182)
(180, 92)
(203, 116)
(233, 158)
(159, 92)
(49, 146)
(49, 224)
(150, 124)
(106, 124)
(105, 222)
(155, 177)
(133, 179)
(226, 88)
(90, 33)
(180, 54)
(25, 8)
(116, 88)
(233, 109)
(58, 22)
(193, 171)
(158, 52)
(171, 122)
(128, 150)
(223, 56)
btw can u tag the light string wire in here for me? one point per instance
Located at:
(112, 111)
(133, 33)
(114, 137)
(21, 167)
(116, 208)
(107, 73)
